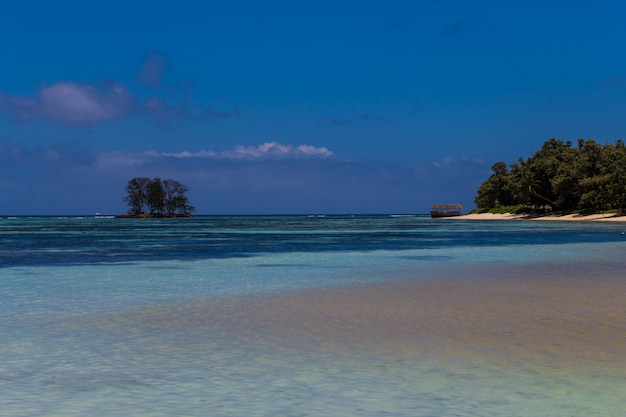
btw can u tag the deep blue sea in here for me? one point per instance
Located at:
(311, 316)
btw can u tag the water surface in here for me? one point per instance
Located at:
(311, 316)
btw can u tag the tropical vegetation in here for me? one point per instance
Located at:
(158, 198)
(561, 177)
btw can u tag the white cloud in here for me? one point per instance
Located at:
(185, 154)
(78, 104)
(267, 150)
(276, 150)
(70, 104)
(116, 161)
(313, 151)
(73, 104)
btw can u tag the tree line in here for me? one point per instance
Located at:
(586, 177)
(157, 197)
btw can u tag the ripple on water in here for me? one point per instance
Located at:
(496, 347)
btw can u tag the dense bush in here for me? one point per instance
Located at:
(158, 197)
(588, 177)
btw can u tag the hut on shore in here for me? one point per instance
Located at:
(445, 210)
(535, 208)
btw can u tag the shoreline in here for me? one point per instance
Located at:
(152, 216)
(611, 217)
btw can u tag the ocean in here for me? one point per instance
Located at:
(311, 316)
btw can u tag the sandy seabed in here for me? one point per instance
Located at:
(492, 340)
(573, 320)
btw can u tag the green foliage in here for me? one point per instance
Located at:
(587, 177)
(136, 194)
(496, 191)
(517, 209)
(155, 195)
(165, 197)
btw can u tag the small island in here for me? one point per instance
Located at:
(156, 198)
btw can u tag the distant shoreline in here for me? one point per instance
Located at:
(611, 217)
(152, 216)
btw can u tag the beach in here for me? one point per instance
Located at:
(564, 217)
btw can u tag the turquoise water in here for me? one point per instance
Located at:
(270, 316)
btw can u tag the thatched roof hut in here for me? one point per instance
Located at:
(445, 210)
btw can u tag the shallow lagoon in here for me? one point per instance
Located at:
(299, 316)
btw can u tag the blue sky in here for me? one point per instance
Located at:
(295, 106)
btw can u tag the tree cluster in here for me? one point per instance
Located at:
(587, 177)
(157, 197)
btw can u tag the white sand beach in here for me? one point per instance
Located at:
(610, 217)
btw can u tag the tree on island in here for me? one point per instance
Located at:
(589, 177)
(157, 198)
